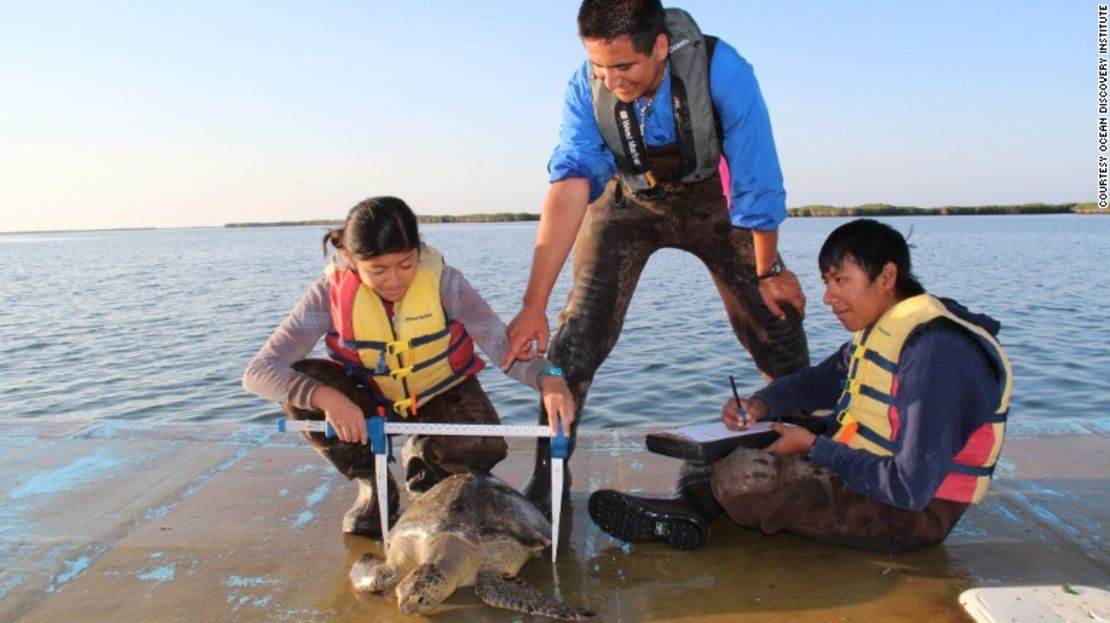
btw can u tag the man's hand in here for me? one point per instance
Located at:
(792, 440)
(529, 324)
(563, 209)
(755, 410)
(344, 416)
(783, 288)
(559, 403)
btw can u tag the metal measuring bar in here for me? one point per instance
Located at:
(379, 428)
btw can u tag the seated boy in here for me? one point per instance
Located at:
(919, 399)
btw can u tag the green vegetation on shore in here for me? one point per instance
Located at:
(500, 217)
(883, 209)
(869, 209)
(324, 222)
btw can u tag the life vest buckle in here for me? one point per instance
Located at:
(640, 182)
(849, 426)
(398, 346)
(400, 373)
(401, 407)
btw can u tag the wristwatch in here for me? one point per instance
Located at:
(774, 271)
(551, 371)
(808, 454)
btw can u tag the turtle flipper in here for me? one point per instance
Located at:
(370, 575)
(511, 593)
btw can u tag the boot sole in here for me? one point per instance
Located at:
(631, 520)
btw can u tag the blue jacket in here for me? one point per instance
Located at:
(758, 196)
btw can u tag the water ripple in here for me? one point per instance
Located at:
(163, 327)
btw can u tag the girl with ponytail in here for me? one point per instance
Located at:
(400, 328)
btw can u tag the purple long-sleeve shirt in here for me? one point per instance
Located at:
(269, 375)
(947, 387)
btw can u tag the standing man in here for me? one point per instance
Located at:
(665, 142)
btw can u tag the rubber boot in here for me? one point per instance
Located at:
(538, 488)
(354, 460)
(419, 474)
(681, 521)
(363, 518)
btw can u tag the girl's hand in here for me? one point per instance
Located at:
(344, 416)
(755, 410)
(558, 402)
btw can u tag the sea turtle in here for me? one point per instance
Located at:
(467, 530)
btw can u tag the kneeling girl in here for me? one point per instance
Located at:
(400, 327)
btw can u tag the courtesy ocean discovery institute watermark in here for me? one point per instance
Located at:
(1103, 109)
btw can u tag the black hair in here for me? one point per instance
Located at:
(871, 245)
(642, 20)
(376, 226)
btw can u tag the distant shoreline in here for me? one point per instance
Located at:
(76, 231)
(883, 209)
(870, 209)
(501, 217)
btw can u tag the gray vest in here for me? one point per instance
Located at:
(694, 116)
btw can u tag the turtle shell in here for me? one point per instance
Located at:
(478, 508)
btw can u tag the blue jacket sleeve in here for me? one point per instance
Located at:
(581, 152)
(946, 389)
(816, 387)
(756, 184)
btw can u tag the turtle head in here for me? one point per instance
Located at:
(423, 589)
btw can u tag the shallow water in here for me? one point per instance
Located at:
(160, 324)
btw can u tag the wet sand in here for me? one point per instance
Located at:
(118, 521)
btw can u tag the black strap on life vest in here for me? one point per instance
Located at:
(632, 142)
(683, 125)
(639, 176)
(710, 46)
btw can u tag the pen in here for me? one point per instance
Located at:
(736, 395)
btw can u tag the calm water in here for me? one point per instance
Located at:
(160, 324)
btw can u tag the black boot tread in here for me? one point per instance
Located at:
(640, 520)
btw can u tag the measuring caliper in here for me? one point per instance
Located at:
(378, 429)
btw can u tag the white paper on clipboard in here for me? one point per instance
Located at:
(714, 431)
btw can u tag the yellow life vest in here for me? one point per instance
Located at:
(413, 356)
(867, 414)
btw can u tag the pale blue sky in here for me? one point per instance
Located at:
(166, 114)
